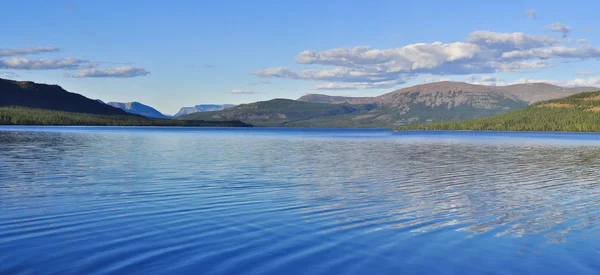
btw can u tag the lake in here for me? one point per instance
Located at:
(83, 200)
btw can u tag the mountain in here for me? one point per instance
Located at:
(530, 92)
(138, 109)
(534, 92)
(282, 112)
(419, 104)
(29, 103)
(51, 97)
(432, 102)
(576, 113)
(202, 108)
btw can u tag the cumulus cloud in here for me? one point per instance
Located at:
(560, 28)
(407, 58)
(43, 64)
(482, 52)
(243, 92)
(25, 51)
(119, 72)
(531, 13)
(584, 52)
(510, 41)
(519, 66)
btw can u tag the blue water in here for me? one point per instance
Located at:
(101, 200)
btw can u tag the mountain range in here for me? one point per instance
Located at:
(432, 102)
(138, 109)
(426, 103)
(202, 108)
(29, 103)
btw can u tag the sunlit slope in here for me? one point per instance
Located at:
(576, 113)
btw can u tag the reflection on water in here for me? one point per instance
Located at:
(515, 190)
(277, 201)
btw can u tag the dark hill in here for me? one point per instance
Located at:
(50, 97)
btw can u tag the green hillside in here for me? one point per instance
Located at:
(282, 112)
(28, 116)
(293, 113)
(576, 113)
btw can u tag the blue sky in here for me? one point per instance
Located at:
(170, 54)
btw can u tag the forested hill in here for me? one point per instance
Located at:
(50, 97)
(576, 113)
(27, 116)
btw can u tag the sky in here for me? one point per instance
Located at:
(171, 54)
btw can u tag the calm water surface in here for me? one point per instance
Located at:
(94, 200)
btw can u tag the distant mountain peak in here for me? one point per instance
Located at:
(202, 108)
(138, 108)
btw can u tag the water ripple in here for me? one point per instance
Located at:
(126, 200)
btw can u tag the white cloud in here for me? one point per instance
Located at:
(531, 13)
(242, 91)
(555, 52)
(43, 64)
(519, 66)
(560, 28)
(406, 58)
(586, 73)
(483, 52)
(119, 72)
(511, 41)
(26, 51)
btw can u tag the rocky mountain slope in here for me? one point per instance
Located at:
(531, 93)
(576, 113)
